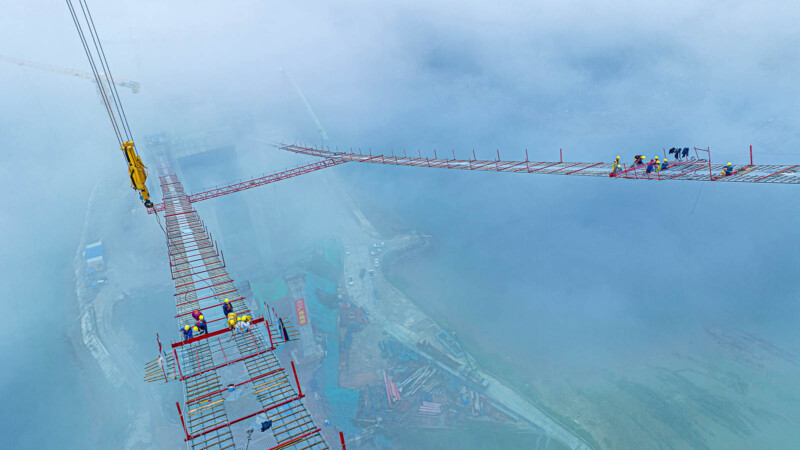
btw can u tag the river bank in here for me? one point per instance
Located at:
(636, 400)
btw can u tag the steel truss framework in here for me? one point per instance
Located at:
(694, 170)
(232, 381)
(697, 169)
(255, 182)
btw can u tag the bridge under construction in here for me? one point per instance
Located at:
(237, 393)
(234, 384)
(697, 168)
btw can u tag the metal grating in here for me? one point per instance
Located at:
(232, 382)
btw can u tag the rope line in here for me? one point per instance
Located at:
(100, 86)
(104, 62)
(101, 70)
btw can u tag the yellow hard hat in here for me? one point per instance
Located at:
(201, 317)
(239, 319)
(247, 317)
(231, 315)
(617, 157)
(729, 164)
(656, 157)
(231, 322)
(186, 328)
(227, 300)
(195, 329)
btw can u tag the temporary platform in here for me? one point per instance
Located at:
(695, 169)
(236, 391)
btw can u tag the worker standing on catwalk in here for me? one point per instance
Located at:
(187, 332)
(665, 164)
(232, 327)
(638, 160)
(650, 166)
(242, 325)
(202, 325)
(227, 308)
(617, 167)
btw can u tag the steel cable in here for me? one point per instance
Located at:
(100, 86)
(104, 62)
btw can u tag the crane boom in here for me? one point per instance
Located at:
(310, 111)
(132, 85)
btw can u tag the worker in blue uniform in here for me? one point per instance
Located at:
(227, 308)
(187, 332)
(728, 170)
(650, 166)
(638, 160)
(202, 325)
(685, 153)
(665, 165)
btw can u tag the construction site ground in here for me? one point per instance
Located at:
(391, 312)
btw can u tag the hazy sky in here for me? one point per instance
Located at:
(596, 78)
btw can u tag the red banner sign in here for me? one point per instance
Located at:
(300, 306)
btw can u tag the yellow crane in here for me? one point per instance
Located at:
(132, 85)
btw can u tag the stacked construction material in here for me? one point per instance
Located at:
(430, 409)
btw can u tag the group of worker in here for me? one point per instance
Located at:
(657, 166)
(638, 160)
(236, 323)
(200, 326)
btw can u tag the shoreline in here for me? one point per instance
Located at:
(396, 321)
(496, 368)
(99, 348)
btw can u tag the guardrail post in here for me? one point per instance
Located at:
(297, 381)
(185, 431)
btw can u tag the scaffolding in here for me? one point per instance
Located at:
(235, 387)
(695, 169)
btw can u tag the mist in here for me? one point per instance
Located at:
(585, 292)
